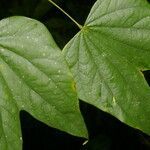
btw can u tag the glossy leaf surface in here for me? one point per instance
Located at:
(107, 58)
(34, 77)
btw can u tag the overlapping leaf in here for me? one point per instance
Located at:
(34, 77)
(107, 58)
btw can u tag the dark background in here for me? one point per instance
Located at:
(106, 132)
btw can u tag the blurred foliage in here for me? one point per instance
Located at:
(106, 132)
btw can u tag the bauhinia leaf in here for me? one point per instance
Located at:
(34, 77)
(107, 56)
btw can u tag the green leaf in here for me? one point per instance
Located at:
(34, 77)
(107, 56)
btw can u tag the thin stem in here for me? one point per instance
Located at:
(79, 26)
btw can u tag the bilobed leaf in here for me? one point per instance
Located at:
(107, 58)
(34, 77)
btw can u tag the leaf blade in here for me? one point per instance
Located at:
(113, 48)
(37, 77)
